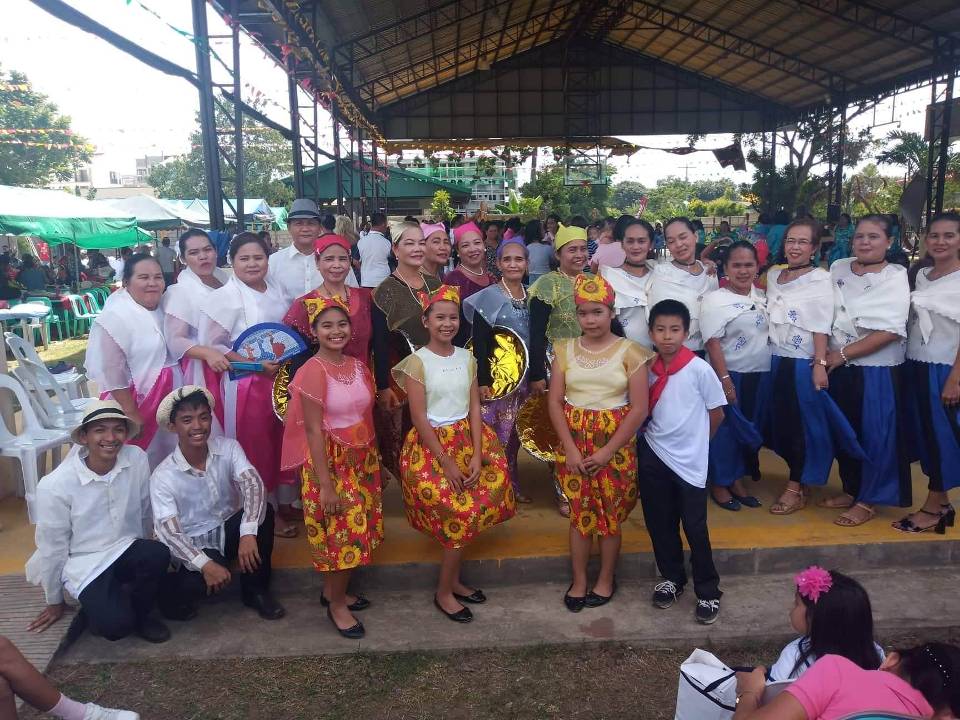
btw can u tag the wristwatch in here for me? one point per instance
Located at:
(821, 361)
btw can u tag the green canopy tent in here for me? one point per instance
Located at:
(58, 218)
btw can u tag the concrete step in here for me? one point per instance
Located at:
(532, 613)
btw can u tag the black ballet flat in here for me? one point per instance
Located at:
(354, 632)
(747, 500)
(463, 615)
(361, 603)
(732, 504)
(475, 598)
(593, 600)
(574, 604)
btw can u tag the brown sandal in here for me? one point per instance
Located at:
(782, 508)
(837, 502)
(846, 521)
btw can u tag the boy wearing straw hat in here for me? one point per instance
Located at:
(210, 508)
(93, 530)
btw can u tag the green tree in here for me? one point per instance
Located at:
(440, 208)
(910, 150)
(566, 200)
(809, 144)
(266, 160)
(42, 148)
(625, 196)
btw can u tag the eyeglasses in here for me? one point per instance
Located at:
(799, 242)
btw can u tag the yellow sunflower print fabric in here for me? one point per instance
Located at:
(433, 506)
(599, 503)
(346, 540)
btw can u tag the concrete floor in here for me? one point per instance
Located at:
(753, 606)
(538, 531)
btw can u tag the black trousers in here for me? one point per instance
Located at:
(122, 596)
(667, 502)
(187, 587)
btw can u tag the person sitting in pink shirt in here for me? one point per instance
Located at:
(609, 252)
(921, 682)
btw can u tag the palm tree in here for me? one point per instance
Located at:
(910, 150)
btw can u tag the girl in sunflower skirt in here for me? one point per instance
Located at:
(453, 470)
(329, 437)
(598, 400)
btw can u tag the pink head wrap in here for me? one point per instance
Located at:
(465, 229)
(430, 228)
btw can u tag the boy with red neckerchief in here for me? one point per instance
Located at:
(686, 408)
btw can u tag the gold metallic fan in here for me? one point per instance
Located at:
(509, 360)
(280, 394)
(535, 430)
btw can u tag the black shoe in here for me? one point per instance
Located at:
(463, 615)
(593, 600)
(354, 632)
(707, 611)
(665, 594)
(265, 605)
(179, 613)
(733, 504)
(475, 598)
(574, 604)
(153, 630)
(748, 500)
(361, 603)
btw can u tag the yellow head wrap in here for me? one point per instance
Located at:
(568, 233)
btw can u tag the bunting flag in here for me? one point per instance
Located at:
(15, 87)
(35, 131)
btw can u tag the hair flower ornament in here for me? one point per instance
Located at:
(813, 582)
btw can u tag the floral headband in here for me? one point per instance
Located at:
(450, 293)
(315, 306)
(813, 582)
(592, 288)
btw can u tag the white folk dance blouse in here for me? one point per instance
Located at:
(797, 310)
(86, 521)
(190, 506)
(741, 325)
(670, 282)
(869, 302)
(446, 380)
(631, 302)
(934, 332)
(181, 317)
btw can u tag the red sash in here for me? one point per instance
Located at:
(680, 361)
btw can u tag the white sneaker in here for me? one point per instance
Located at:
(95, 712)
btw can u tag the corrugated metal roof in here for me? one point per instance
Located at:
(796, 53)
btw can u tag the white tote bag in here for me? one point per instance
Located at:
(707, 688)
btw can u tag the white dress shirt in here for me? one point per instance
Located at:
(374, 250)
(296, 273)
(190, 506)
(86, 521)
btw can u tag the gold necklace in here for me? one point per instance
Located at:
(345, 297)
(398, 276)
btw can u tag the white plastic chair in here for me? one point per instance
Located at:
(30, 444)
(57, 412)
(74, 381)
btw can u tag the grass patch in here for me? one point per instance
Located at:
(578, 682)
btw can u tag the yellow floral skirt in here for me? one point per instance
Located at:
(432, 505)
(599, 503)
(345, 540)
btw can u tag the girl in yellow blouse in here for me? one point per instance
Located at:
(598, 400)
(453, 471)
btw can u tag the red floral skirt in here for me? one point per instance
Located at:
(434, 507)
(345, 540)
(599, 503)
